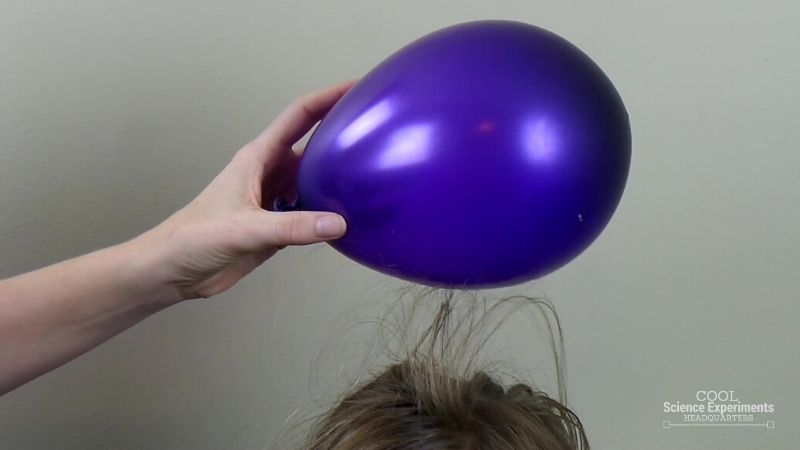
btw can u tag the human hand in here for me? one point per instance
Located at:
(226, 232)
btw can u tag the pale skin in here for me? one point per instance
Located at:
(53, 315)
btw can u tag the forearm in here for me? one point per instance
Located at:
(52, 315)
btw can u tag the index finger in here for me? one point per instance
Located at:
(305, 111)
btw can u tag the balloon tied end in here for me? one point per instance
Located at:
(282, 205)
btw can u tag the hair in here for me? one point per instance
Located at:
(432, 396)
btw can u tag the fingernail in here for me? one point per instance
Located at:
(328, 226)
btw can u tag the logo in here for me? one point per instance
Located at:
(718, 408)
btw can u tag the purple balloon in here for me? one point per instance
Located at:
(482, 155)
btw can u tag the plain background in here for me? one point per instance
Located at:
(115, 114)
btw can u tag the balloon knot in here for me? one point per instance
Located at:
(282, 205)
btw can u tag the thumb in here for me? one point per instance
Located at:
(280, 229)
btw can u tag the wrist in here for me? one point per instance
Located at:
(145, 274)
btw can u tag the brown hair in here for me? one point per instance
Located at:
(431, 396)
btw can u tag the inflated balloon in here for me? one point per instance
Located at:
(481, 155)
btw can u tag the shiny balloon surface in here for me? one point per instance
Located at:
(482, 155)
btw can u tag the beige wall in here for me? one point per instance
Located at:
(113, 114)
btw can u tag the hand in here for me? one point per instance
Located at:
(225, 233)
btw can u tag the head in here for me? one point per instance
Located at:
(433, 397)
